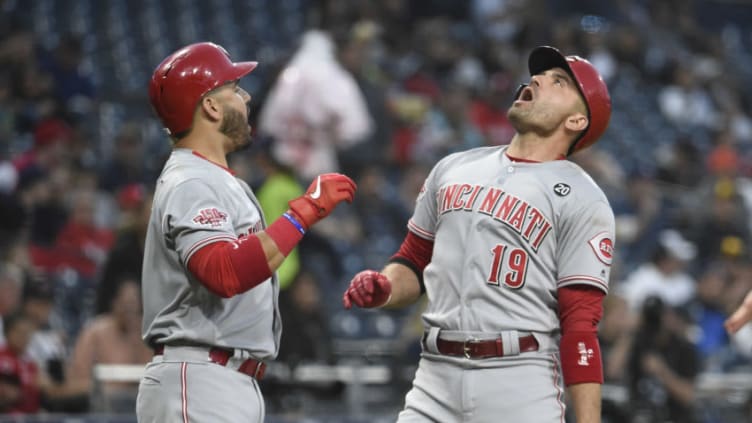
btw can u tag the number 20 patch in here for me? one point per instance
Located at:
(603, 247)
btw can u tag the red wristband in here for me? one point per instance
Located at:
(285, 234)
(581, 358)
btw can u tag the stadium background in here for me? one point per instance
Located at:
(80, 150)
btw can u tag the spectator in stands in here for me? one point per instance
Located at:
(13, 217)
(127, 165)
(73, 85)
(11, 285)
(47, 345)
(24, 388)
(663, 365)
(309, 133)
(664, 276)
(489, 111)
(448, 128)
(679, 175)
(81, 243)
(127, 254)
(44, 206)
(19, 376)
(639, 213)
(708, 311)
(306, 338)
(722, 222)
(615, 333)
(360, 51)
(380, 214)
(685, 102)
(278, 187)
(110, 338)
(52, 137)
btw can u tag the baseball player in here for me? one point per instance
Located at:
(512, 246)
(209, 284)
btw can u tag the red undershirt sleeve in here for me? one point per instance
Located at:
(231, 268)
(580, 310)
(415, 253)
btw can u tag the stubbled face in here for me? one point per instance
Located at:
(545, 104)
(235, 105)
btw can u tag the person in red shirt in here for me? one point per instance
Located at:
(19, 384)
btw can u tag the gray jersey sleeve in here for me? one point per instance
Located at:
(194, 217)
(425, 217)
(585, 247)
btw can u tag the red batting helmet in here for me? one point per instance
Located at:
(590, 84)
(179, 82)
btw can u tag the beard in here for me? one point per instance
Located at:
(526, 120)
(235, 127)
(517, 118)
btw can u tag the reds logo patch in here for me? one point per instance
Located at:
(210, 217)
(603, 247)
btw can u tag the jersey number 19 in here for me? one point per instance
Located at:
(509, 266)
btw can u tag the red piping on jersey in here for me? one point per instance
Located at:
(579, 279)
(197, 154)
(420, 231)
(206, 241)
(517, 159)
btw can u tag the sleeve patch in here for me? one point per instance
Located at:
(210, 217)
(603, 247)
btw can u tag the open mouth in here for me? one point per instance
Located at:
(526, 94)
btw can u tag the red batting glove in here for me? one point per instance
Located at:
(325, 192)
(368, 289)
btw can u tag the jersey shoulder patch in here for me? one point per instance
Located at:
(603, 247)
(211, 217)
(562, 190)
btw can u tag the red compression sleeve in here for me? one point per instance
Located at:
(580, 310)
(415, 253)
(416, 250)
(230, 268)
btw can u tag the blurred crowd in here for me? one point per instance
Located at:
(381, 90)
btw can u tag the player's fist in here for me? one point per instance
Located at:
(367, 289)
(325, 192)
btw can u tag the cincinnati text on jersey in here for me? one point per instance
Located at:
(517, 214)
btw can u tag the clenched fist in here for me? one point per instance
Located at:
(367, 289)
(325, 192)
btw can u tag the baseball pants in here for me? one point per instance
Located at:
(525, 388)
(188, 388)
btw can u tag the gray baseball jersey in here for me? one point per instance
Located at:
(196, 203)
(506, 235)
